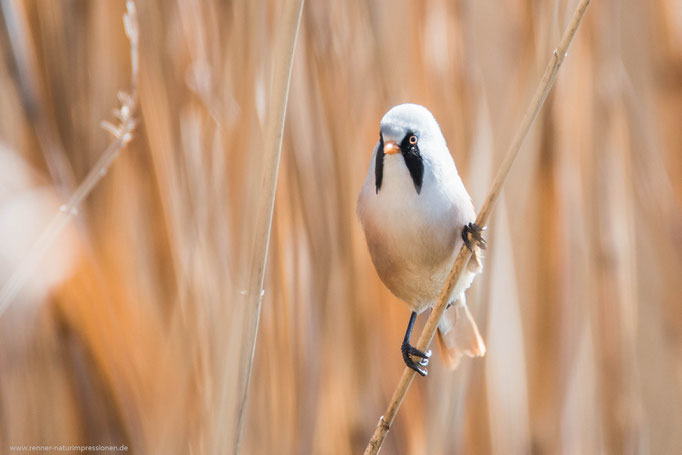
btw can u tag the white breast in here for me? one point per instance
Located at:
(413, 237)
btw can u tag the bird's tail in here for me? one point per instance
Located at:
(458, 335)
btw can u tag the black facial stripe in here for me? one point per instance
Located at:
(379, 164)
(413, 161)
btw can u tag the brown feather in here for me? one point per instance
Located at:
(458, 336)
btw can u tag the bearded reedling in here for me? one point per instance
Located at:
(416, 213)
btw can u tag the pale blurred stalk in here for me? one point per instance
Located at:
(283, 56)
(123, 134)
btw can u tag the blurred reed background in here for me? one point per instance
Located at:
(131, 329)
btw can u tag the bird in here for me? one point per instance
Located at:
(416, 214)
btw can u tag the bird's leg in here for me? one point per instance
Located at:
(471, 234)
(408, 350)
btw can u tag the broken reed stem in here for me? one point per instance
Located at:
(548, 78)
(122, 133)
(283, 58)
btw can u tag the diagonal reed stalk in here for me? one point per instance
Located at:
(546, 83)
(283, 58)
(122, 133)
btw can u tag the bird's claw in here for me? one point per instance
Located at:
(472, 236)
(408, 351)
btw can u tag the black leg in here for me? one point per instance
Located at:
(473, 232)
(409, 350)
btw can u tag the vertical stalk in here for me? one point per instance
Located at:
(283, 57)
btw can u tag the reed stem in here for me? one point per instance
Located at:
(545, 85)
(122, 133)
(283, 58)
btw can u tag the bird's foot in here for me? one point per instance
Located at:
(408, 351)
(472, 236)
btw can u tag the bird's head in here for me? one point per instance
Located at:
(409, 133)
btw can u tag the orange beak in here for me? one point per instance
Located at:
(391, 148)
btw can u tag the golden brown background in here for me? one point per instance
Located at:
(131, 329)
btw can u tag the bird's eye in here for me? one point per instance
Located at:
(413, 139)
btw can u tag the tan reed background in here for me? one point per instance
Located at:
(131, 330)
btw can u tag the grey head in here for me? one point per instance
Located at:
(412, 131)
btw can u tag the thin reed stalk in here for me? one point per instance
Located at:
(283, 57)
(546, 83)
(122, 133)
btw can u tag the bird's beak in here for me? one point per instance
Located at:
(391, 148)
